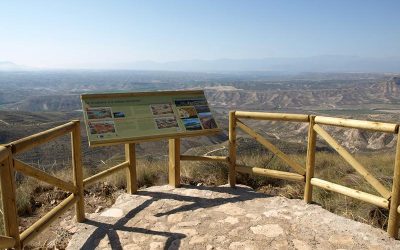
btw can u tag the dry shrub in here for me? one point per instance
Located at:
(208, 173)
(149, 172)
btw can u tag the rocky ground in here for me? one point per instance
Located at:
(162, 217)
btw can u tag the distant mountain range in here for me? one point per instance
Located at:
(10, 66)
(303, 64)
(330, 63)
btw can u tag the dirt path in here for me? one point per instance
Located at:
(221, 218)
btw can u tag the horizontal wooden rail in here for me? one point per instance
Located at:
(105, 173)
(350, 123)
(32, 141)
(296, 166)
(370, 198)
(43, 176)
(3, 153)
(204, 158)
(45, 221)
(269, 173)
(6, 242)
(353, 162)
(272, 116)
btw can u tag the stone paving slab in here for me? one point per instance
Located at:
(191, 217)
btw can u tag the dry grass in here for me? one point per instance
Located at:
(149, 172)
(333, 168)
(28, 188)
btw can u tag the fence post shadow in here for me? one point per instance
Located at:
(109, 229)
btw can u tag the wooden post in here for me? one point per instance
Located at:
(310, 162)
(8, 192)
(393, 223)
(77, 171)
(130, 157)
(232, 149)
(174, 162)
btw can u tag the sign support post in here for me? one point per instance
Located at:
(174, 172)
(130, 156)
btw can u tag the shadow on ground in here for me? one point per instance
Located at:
(237, 194)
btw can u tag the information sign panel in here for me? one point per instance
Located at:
(115, 118)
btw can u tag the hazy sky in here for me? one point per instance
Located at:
(73, 33)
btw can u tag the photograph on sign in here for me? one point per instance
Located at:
(162, 109)
(166, 122)
(119, 114)
(101, 127)
(99, 113)
(187, 112)
(207, 120)
(192, 123)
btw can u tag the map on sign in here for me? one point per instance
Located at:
(128, 117)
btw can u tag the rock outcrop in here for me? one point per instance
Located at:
(392, 87)
(190, 217)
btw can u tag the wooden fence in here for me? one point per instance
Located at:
(9, 165)
(388, 199)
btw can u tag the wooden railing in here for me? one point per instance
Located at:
(388, 199)
(9, 165)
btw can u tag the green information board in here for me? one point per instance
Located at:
(142, 116)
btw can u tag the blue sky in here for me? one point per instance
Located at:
(74, 33)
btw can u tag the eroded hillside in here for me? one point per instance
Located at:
(358, 96)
